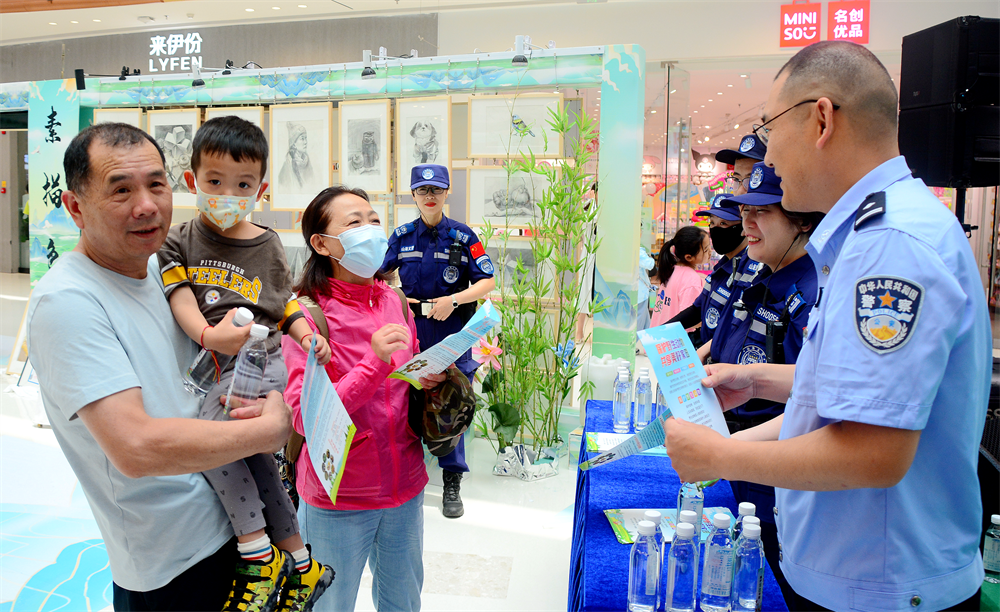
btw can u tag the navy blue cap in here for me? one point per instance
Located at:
(765, 188)
(429, 174)
(750, 147)
(722, 208)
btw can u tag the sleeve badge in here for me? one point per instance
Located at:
(886, 311)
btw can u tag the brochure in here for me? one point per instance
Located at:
(437, 358)
(625, 522)
(328, 427)
(598, 442)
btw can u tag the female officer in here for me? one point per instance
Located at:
(764, 321)
(438, 259)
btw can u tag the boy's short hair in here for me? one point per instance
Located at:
(231, 136)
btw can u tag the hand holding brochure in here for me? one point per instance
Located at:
(328, 427)
(437, 358)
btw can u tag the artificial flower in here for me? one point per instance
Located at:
(487, 352)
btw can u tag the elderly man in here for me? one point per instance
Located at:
(109, 358)
(874, 460)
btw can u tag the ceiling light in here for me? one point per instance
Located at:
(74, 22)
(706, 138)
(302, 6)
(743, 76)
(249, 10)
(710, 99)
(653, 111)
(367, 72)
(53, 23)
(730, 85)
(708, 127)
(520, 60)
(703, 106)
(97, 21)
(275, 8)
(695, 111)
(673, 91)
(736, 127)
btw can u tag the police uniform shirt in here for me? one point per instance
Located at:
(422, 255)
(713, 297)
(900, 337)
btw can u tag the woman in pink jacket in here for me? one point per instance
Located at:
(378, 517)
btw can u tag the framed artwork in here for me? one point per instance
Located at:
(301, 153)
(504, 257)
(131, 116)
(364, 145)
(504, 201)
(174, 131)
(514, 126)
(423, 136)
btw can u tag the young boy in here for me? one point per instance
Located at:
(210, 266)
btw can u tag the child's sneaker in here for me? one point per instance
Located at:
(302, 590)
(258, 584)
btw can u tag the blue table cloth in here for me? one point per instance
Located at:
(598, 578)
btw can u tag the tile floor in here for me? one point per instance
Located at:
(509, 552)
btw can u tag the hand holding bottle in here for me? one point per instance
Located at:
(225, 337)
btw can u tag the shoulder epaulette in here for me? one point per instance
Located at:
(872, 208)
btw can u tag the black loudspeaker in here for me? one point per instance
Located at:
(949, 101)
(81, 84)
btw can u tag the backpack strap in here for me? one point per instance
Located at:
(317, 315)
(405, 304)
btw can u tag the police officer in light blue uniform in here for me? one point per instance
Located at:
(443, 270)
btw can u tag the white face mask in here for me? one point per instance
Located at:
(364, 249)
(225, 211)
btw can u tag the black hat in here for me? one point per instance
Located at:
(750, 147)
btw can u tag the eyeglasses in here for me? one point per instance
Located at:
(733, 183)
(425, 190)
(762, 131)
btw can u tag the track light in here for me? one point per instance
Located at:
(367, 72)
(229, 67)
(198, 82)
(124, 73)
(520, 60)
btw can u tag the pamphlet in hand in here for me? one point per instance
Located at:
(601, 441)
(437, 358)
(651, 436)
(329, 430)
(679, 372)
(625, 522)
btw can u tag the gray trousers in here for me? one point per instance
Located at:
(251, 489)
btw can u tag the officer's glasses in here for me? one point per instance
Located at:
(426, 190)
(733, 182)
(762, 131)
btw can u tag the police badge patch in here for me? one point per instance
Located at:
(757, 177)
(712, 317)
(485, 264)
(450, 274)
(747, 144)
(886, 311)
(752, 354)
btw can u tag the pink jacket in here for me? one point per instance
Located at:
(385, 465)
(679, 292)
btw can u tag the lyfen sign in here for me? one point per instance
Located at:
(800, 24)
(848, 21)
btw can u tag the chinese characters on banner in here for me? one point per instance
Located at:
(165, 50)
(848, 21)
(799, 24)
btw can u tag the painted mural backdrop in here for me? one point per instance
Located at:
(53, 121)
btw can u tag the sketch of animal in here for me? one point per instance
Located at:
(519, 125)
(516, 203)
(369, 150)
(425, 144)
(357, 162)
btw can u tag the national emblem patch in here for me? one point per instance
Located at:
(886, 311)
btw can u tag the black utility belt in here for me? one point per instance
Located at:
(422, 309)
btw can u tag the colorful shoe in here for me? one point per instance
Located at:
(258, 584)
(302, 590)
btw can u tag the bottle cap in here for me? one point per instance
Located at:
(259, 331)
(751, 532)
(750, 520)
(647, 528)
(653, 516)
(623, 377)
(747, 509)
(995, 519)
(689, 516)
(685, 530)
(721, 520)
(242, 317)
(643, 377)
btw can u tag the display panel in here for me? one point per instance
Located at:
(301, 153)
(364, 145)
(504, 200)
(131, 116)
(423, 136)
(514, 126)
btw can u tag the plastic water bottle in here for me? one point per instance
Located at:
(644, 570)
(991, 551)
(654, 517)
(747, 520)
(204, 373)
(717, 570)
(618, 377)
(681, 589)
(249, 371)
(748, 571)
(746, 509)
(622, 407)
(690, 497)
(643, 410)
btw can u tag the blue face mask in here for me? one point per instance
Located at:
(364, 249)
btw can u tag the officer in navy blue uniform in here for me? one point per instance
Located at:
(444, 270)
(766, 318)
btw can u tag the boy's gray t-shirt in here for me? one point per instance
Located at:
(93, 333)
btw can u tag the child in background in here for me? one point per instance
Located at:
(210, 266)
(679, 281)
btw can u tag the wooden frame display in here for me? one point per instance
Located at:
(364, 153)
(301, 153)
(174, 131)
(131, 116)
(504, 201)
(423, 136)
(382, 208)
(513, 248)
(514, 126)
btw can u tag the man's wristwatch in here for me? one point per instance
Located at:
(454, 302)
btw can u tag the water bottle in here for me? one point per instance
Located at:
(622, 408)
(717, 570)
(748, 571)
(654, 517)
(204, 373)
(644, 570)
(249, 370)
(690, 497)
(639, 374)
(746, 509)
(991, 551)
(643, 410)
(747, 520)
(681, 589)
(618, 377)
(688, 516)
